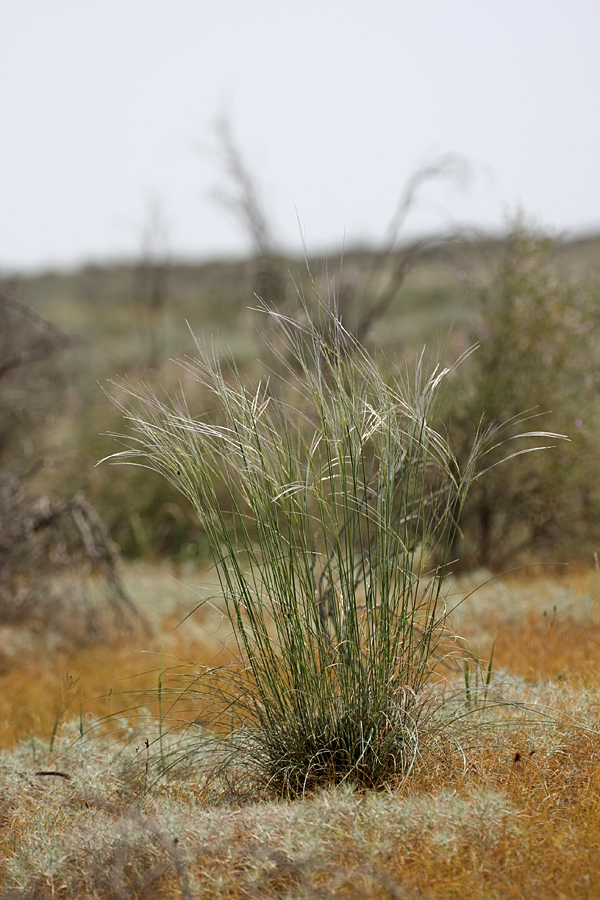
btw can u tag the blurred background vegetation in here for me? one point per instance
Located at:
(530, 301)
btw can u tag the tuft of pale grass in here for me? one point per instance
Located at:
(330, 505)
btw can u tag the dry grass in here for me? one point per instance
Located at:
(545, 626)
(42, 681)
(516, 814)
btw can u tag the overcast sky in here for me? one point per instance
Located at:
(105, 104)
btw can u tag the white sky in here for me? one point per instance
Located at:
(104, 104)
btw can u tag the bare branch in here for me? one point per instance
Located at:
(243, 198)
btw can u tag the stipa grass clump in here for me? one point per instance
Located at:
(330, 505)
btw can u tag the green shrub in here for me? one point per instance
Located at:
(331, 552)
(538, 352)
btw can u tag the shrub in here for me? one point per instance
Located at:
(331, 552)
(538, 351)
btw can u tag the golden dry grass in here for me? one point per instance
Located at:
(537, 837)
(40, 683)
(544, 627)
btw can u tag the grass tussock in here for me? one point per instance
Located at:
(330, 505)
